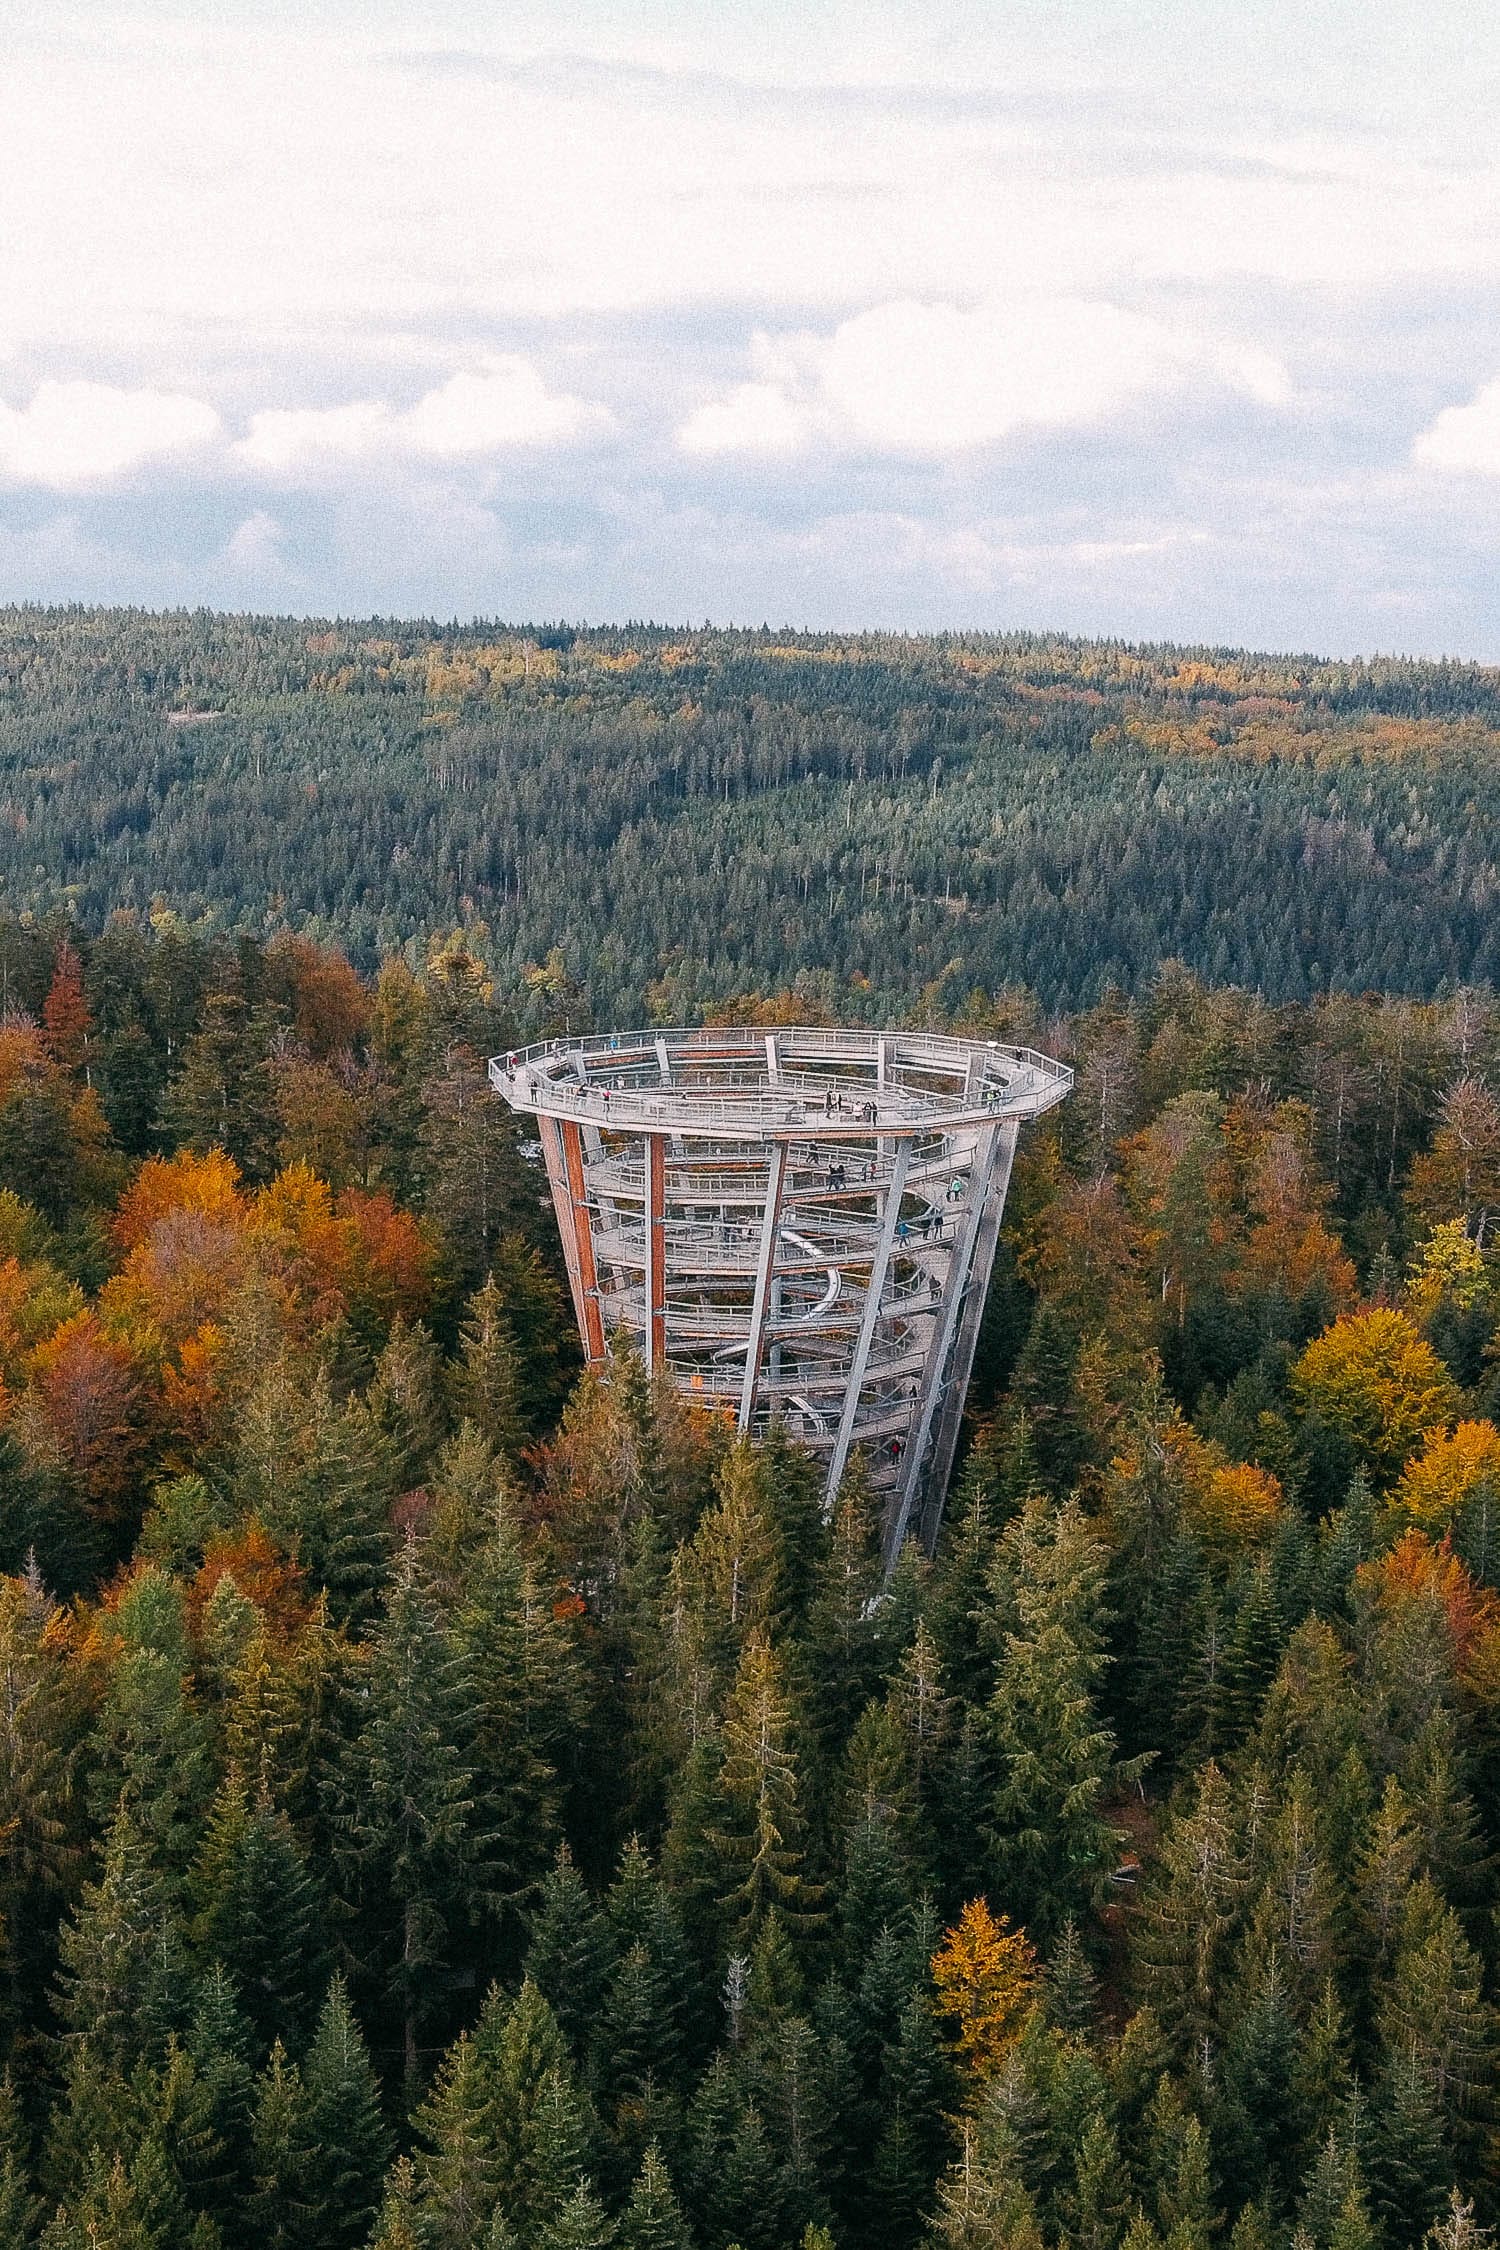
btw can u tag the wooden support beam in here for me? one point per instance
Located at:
(562, 1203)
(656, 1251)
(880, 1265)
(942, 1344)
(955, 1380)
(592, 1322)
(770, 1227)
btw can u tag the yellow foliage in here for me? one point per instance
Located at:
(1229, 1505)
(984, 1973)
(1448, 1471)
(1449, 1264)
(1245, 1502)
(1374, 1379)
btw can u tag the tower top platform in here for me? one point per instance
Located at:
(803, 1083)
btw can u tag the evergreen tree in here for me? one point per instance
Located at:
(760, 1839)
(572, 1954)
(653, 2217)
(405, 1400)
(345, 2133)
(286, 2195)
(222, 1097)
(1050, 1846)
(126, 1980)
(1410, 2162)
(261, 1914)
(456, 2175)
(411, 1819)
(20, 2209)
(529, 1705)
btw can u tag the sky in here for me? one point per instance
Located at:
(1175, 321)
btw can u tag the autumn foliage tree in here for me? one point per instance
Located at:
(985, 1977)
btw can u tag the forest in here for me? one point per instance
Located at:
(454, 1800)
(691, 817)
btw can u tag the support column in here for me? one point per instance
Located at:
(942, 1345)
(562, 1203)
(769, 1228)
(656, 1251)
(890, 1214)
(592, 1321)
(950, 1412)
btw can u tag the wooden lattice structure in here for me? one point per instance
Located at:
(799, 1224)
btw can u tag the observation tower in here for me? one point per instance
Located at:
(799, 1225)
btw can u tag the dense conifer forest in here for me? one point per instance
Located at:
(692, 816)
(449, 1801)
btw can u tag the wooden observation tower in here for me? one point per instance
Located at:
(798, 1224)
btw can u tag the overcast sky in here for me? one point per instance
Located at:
(1175, 321)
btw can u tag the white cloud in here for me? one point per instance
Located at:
(1465, 438)
(752, 418)
(934, 379)
(290, 438)
(506, 405)
(503, 405)
(78, 434)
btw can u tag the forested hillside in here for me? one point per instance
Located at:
(447, 1803)
(692, 816)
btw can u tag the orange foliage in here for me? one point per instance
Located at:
(357, 1252)
(22, 1055)
(984, 1973)
(261, 1573)
(1245, 1502)
(391, 1261)
(206, 1184)
(1416, 1569)
(65, 1013)
(330, 1007)
(1289, 1246)
(1229, 1505)
(34, 1301)
(93, 1403)
(191, 1397)
(185, 1272)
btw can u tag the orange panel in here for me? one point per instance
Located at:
(562, 1204)
(588, 1272)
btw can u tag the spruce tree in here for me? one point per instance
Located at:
(411, 1819)
(653, 2218)
(20, 2209)
(284, 2206)
(126, 1979)
(760, 1837)
(486, 1384)
(1051, 1848)
(572, 1954)
(1191, 1910)
(1409, 2162)
(405, 1400)
(397, 2222)
(261, 1914)
(456, 2174)
(529, 1707)
(345, 2132)
(39, 1725)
